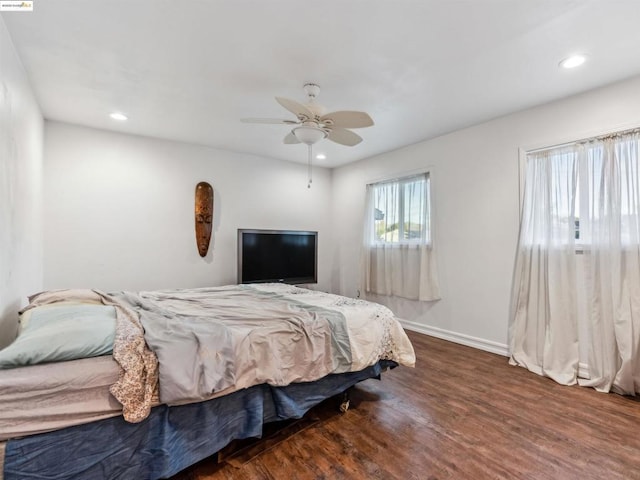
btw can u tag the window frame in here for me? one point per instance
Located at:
(581, 243)
(426, 238)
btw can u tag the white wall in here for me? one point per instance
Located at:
(119, 209)
(475, 182)
(21, 128)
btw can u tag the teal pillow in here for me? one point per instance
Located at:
(60, 333)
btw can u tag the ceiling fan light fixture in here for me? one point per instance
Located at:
(308, 134)
(313, 124)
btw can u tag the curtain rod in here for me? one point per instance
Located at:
(422, 173)
(587, 140)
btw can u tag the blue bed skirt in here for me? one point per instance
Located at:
(171, 438)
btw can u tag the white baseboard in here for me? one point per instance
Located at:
(469, 341)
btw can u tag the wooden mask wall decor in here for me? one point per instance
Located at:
(204, 216)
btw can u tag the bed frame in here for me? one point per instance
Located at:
(171, 438)
(340, 334)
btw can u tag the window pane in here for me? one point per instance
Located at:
(400, 211)
(563, 195)
(627, 155)
(386, 209)
(415, 210)
(585, 193)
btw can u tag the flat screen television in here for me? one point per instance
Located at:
(285, 256)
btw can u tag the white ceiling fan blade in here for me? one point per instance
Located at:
(344, 137)
(268, 120)
(294, 107)
(290, 139)
(347, 119)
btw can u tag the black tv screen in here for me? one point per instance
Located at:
(286, 256)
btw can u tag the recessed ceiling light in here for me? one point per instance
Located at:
(321, 156)
(119, 116)
(573, 61)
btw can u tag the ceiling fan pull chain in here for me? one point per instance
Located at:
(310, 156)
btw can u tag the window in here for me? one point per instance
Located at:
(398, 254)
(583, 191)
(400, 211)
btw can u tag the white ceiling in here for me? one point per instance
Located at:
(190, 70)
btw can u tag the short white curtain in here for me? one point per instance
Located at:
(581, 204)
(393, 266)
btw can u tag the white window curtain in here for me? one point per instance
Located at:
(579, 251)
(398, 255)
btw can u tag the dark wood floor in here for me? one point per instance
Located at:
(460, 414)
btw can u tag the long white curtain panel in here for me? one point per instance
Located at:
(576, 283)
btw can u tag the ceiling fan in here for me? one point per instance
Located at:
(312, 124)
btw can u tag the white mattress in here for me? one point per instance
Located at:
(46, 397)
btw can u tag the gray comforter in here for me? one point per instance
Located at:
(215, 339)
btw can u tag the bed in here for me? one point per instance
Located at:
(175, 375)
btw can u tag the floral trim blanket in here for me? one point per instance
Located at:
(138, 379)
